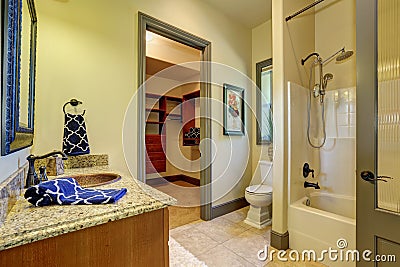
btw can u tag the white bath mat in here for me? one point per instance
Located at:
(179, 256)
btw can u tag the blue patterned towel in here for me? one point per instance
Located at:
(66, 191)
(75, 141)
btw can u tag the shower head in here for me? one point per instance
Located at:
(344, 55)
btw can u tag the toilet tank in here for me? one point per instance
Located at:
(265, 168)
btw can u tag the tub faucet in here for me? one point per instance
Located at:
(308, 184)
(32, 178)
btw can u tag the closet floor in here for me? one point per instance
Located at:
(187, 209)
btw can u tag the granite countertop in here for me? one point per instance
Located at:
(26, 223)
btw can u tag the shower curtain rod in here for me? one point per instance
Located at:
(304, 9)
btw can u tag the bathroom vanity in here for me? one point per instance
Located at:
(132, 232)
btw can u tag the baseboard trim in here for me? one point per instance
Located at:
(280, 241)
(156, 181)
(173, 178)
(190, 180)
(227, 207)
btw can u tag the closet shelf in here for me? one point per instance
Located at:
(161, 107)
(191, 141)
(173, 98)
(151, 95)
(174, 115)
(155, 110)
(155, 122)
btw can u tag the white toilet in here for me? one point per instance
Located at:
(260, 198)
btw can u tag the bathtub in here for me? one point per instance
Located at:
(319, 220)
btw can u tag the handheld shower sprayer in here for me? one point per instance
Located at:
(324, 82)
(318, 89)
(327, 77)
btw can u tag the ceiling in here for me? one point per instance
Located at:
(170, 59)
(249, 13)
(170, 71)
(169, 50)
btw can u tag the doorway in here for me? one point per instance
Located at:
(148, 24)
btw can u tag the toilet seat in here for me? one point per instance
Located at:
(259, 189)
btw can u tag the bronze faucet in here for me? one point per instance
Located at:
(32, 178)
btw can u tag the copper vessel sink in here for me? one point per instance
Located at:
(96, 179)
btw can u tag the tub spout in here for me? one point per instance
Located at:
(308, 184)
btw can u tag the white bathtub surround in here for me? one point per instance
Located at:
(338, 204)
(331, 213)
(338, 166)
(338, 155)
(319, 226)
(340, 110)
(334, 163)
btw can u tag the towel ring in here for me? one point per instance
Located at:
(73, 103)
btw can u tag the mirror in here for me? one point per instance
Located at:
(18, 74)
(264, 102)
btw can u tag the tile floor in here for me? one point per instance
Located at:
(186, 194)
(188, 208)
(228, 241)
(224, 241)
(179, 216)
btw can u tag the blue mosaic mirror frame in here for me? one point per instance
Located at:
(15, 136)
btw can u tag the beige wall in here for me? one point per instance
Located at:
(291, 41)
(261, 50)
(335, 27)
(87, 49)
(261, 44)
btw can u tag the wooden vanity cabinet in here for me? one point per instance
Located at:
(140, 240)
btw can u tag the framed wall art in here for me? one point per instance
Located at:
(233, 101)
